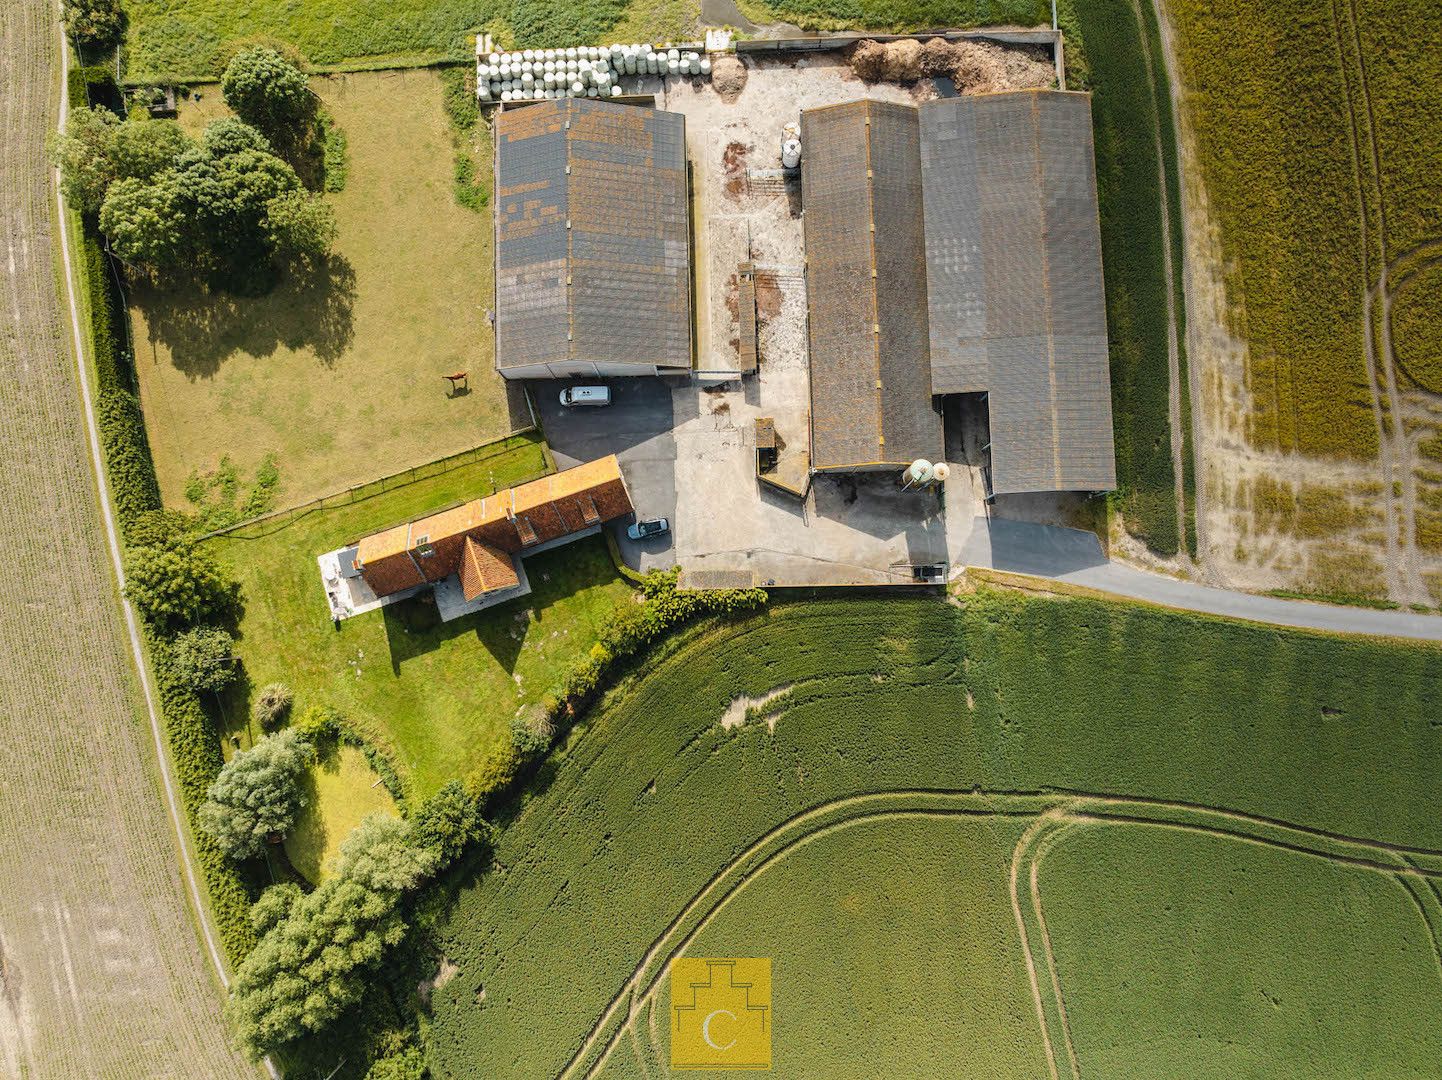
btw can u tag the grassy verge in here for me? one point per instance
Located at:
(337, 375)
(1131, 104)
(437, 697)
(1005, 694)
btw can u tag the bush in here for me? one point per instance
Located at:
(257, 794)
(407, 1064)
(204, 659)
(271, 705)
(449, 822)
(176, 583)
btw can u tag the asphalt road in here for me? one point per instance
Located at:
(636, 427)
(1073, 556)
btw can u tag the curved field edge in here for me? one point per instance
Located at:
(1199, 954)
(1053, 817)
(1009, 693)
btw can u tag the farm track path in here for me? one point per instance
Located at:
(102, 973)
(1053, 814)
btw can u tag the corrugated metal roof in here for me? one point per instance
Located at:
(592, 235)
(866, 287)
(1017, 308)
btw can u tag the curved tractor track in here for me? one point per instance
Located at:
(102, 972)
(1053, 818)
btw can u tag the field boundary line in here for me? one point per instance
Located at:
(92, 432)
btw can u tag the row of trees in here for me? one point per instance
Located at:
(228, 201)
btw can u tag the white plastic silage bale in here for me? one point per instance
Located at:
(694, 67)
(705, 68)
(591, 91)
(673, 55)
(615, 91)
(577, 89)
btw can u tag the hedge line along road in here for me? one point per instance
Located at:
(102, 970)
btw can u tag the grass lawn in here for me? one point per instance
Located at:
(338, 376)
(951, 725)
(435, 696)
(340, 791)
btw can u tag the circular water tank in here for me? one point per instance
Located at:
(940, 471)
(791, 153)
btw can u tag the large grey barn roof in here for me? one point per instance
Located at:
(592, 251)
(866, 287)
(1014, 280)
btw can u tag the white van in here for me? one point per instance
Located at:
(585, 395)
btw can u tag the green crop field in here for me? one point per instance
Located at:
(435, 696)
(990, 778)
(1318, 143)
(338, 376)
(189, 38)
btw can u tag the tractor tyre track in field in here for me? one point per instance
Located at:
(103, 972)
(1055, 815)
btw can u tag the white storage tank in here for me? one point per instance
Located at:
(791, 153)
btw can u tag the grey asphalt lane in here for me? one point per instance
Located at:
(1070, 555)
(636, 427)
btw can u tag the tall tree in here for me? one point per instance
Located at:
(83, 153)
(299, 224)
(145, 222)
(93, 23)
(316, 960)
(266, 90)
(257, 794)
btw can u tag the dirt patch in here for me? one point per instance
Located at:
(736, 713)
(768, 296)
(733, 169)
(728, 77)
(426, 987)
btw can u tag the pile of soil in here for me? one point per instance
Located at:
(728, 76)
(975, 67)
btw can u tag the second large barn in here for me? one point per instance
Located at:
(955, 248)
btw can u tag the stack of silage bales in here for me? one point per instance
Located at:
(593, 71)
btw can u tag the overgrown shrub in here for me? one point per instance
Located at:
(630, 629)
(204, 658)
(271, 705)
(176, 583)
(267, 90)
(195, 751)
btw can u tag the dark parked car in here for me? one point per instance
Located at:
(643, 530)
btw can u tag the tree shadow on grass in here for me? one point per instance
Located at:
(309, 307)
